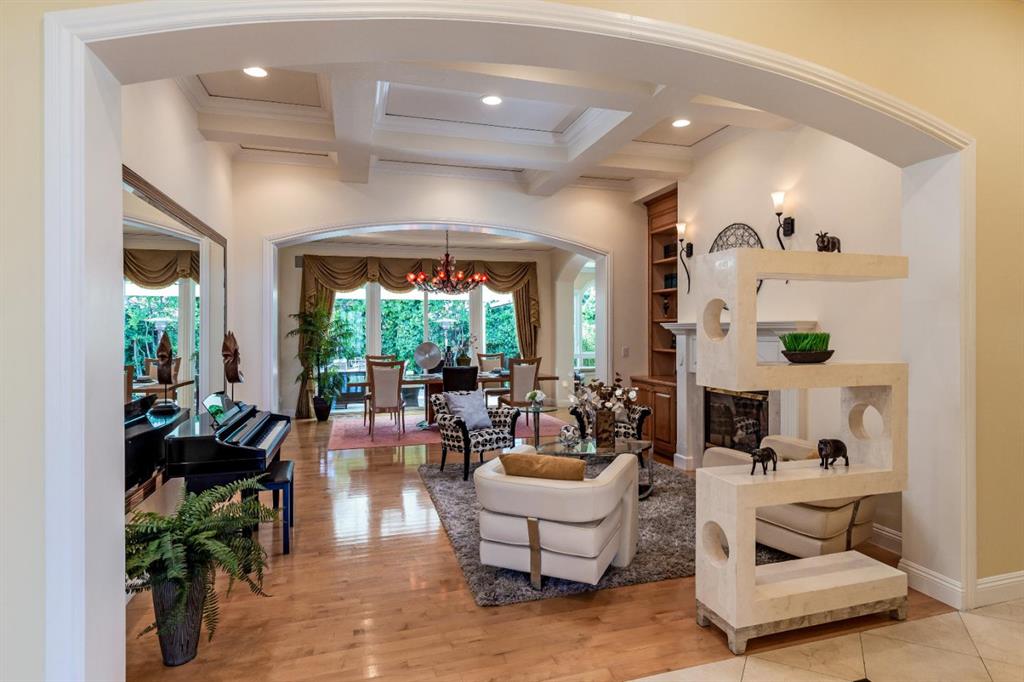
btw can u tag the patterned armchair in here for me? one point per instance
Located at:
(632, 428)
(456, 436)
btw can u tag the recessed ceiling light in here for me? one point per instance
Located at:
(255, 72)
(491, 100)
(680, 123)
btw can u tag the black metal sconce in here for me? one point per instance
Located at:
(685, 251)
(787, 225)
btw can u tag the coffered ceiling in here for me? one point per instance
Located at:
(552, 128)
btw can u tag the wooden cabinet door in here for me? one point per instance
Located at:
(644, 396)
(664, 421)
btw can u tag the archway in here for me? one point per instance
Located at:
(583, 252)
(90, 53)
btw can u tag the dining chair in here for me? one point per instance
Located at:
(367, 395)
(129, 380)
(149, 368)
(458, 378)
(385, 378)
(523, 377)
(492, 362)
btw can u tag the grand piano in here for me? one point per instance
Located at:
(241, 442)
(144, 445)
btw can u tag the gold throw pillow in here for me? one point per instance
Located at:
(544, 466)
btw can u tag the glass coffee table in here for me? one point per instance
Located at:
(536, 411)
(588, 448)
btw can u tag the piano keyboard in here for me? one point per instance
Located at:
(272, 434)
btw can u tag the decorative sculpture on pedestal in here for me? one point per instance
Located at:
(165, 376)
(232, 371)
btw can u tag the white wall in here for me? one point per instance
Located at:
(830, 186)
(279, 200)
(290, 281)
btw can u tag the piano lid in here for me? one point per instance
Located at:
(202, 425)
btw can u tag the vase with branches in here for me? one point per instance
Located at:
(177, 556)
(321, 338)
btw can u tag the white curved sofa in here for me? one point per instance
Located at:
(581, 526)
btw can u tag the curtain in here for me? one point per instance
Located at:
(324, 275)
(159, 268)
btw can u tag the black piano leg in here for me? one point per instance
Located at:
(275, 499)
(285, 522)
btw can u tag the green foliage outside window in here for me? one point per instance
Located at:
(140, 337)
(401, 328)
(454, 310)
(500, 328)
(588, 324)
(352, 313)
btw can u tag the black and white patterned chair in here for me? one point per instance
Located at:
(456, 436)
(632, 428)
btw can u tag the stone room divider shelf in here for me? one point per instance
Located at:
(745, 600)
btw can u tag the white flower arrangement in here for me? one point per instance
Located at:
(536, 396)
(597, 395)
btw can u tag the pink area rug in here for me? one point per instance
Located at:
(348, 432)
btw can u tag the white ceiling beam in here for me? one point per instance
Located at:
(354, 103)
(605, 138)
(266, 132)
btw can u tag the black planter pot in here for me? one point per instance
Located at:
(321, 408)
(807, 357)
(179, 642)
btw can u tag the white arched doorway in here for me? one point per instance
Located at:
(90, 53)
(602, 277)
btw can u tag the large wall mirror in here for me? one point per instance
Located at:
(174, 284)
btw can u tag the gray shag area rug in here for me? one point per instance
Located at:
(665, 551)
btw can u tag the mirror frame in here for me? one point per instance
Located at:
(152, 195)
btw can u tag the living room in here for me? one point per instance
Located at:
(711, 206)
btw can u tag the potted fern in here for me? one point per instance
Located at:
(806, 347)
(321, 338)
(177, 557)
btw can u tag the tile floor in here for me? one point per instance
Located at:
(986, 644)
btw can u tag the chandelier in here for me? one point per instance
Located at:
(446, 279)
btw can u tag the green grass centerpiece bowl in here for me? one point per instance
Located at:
(806, 347)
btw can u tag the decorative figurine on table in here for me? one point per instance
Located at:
(165, 376)
(232, 359)
(831, 449)
(569, 436)
(828, 243)
(762, 456)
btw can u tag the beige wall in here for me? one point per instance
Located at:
(962, 61)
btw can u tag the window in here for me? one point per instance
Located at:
(401, 324)
(500, 324)
(585, 320)
(148, 313)
(350, 306)
(447, 319)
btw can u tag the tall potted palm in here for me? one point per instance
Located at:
(321, 336)
(176, 557)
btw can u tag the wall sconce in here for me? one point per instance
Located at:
(685, 251)
(787, 226)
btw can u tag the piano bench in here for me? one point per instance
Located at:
(280, 477)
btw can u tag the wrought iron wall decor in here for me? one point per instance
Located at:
(737, 236)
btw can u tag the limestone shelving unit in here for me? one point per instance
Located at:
(745, 600)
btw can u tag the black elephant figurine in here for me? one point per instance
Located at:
(762, 456)
(828, 243)
(831, 449)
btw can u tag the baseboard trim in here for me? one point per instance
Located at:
(999, 588)
(683, 462)
(887, 538)
(935, 585)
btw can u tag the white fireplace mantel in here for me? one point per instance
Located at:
(789, 407)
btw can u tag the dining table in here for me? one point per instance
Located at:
(432, 383)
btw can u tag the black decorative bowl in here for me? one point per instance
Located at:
(807, 357)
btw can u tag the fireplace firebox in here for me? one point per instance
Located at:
(735, 419)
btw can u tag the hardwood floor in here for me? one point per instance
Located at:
(372, 590)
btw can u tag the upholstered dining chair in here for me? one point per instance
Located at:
(455, 435)
(492, 362)
(523, 374)
(369, 392)
(129, 381)
(458, 379)
(386, 392)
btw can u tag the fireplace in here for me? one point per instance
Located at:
(735, 419)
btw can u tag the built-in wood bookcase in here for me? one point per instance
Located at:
(663, 294)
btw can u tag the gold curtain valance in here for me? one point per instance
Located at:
(159, 268)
